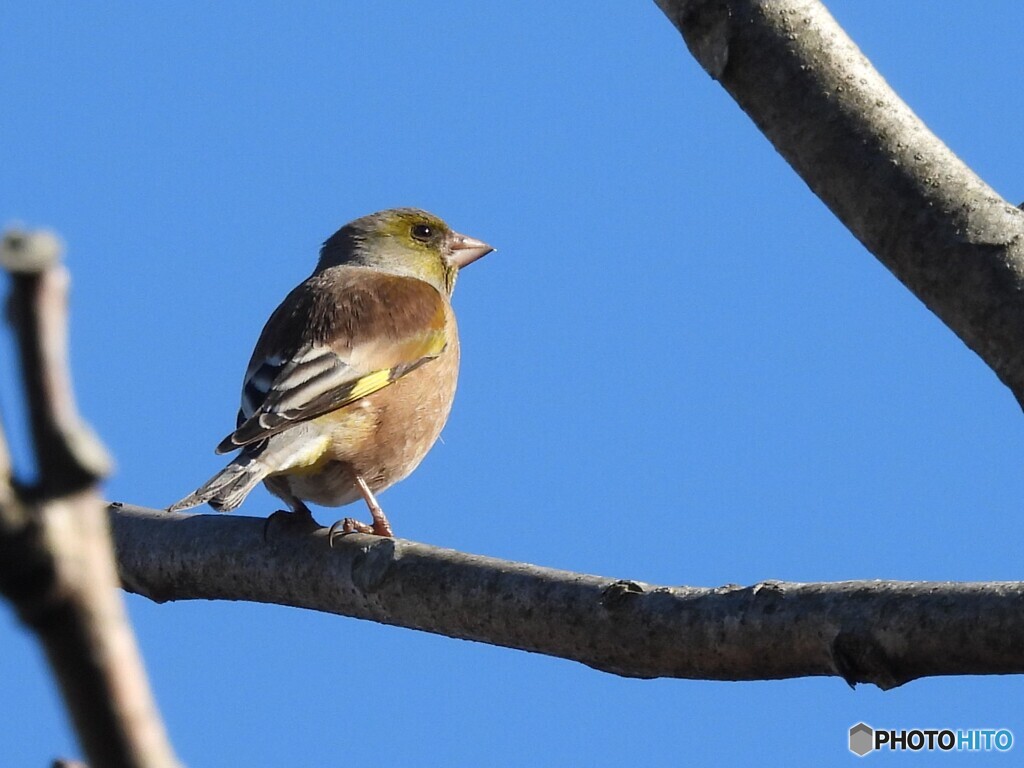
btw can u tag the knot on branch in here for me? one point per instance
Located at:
(860, 658)
(619, 594)
(27, 252)
(371, 566)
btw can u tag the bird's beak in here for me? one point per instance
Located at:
(466, 249)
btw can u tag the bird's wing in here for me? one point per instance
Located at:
(343, 334)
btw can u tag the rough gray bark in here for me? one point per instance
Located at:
(925, 215)
(56, 560)
(886, 633)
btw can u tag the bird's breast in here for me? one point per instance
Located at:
(385, 436)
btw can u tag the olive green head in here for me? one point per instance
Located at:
(404, 241)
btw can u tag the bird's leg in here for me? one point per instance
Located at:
(380, 527)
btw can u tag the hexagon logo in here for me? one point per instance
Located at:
(862, 739)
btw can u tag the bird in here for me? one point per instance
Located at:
(354, 374)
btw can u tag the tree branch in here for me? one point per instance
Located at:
(886, 633)
(56, 559)
(941, 230)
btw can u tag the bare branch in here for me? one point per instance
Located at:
(886, 633)
(70, 456)
(941, 230)
(56, 559)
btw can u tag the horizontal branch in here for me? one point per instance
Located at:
(886, 633)
(948, 236)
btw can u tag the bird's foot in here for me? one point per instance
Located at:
(380, 527)
(299, 521)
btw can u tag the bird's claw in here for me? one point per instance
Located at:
(351, 525)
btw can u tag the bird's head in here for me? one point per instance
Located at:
(404, 241)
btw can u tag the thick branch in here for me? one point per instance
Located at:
(886, 633)
(941, 230)
(56, 559)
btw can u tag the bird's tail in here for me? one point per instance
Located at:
(228, 488)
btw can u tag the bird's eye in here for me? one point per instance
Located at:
(422, 232)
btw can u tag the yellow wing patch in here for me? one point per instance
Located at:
(276, 413)
(367, 385)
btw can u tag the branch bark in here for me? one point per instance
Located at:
(56, 558)
(926, 216)
(886, 633)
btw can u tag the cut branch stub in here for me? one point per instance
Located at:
(70, 456)
(56, 560)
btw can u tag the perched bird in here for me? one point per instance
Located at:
(354, 374)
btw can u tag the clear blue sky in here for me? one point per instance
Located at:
(678, 367)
